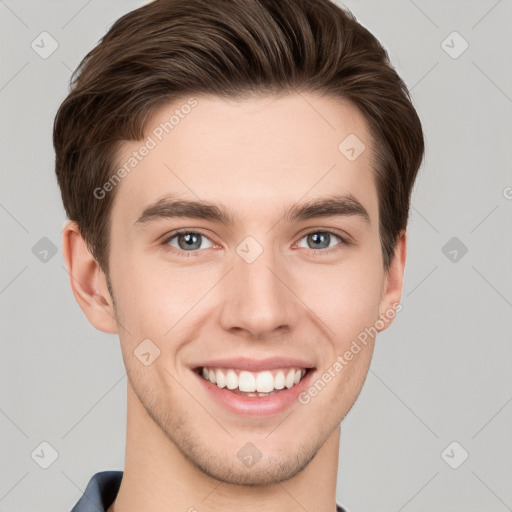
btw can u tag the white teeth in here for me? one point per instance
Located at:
(231, 380)
(290, 378)
(220, 378)
(246, 382)
(279, 380)
(263, 383)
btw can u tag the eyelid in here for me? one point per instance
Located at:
(180, 231)
(344, 236)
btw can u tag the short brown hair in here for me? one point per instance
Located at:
(169, 49)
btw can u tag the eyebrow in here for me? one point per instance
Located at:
(331, 206)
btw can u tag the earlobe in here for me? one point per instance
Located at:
(392, 290)
(87, 280)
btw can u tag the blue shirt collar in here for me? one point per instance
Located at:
(102, 489)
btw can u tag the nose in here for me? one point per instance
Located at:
(258, 298)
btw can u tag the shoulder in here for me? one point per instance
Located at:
(100, 492)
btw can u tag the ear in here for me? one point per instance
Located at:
(88, 281)
(392, 289)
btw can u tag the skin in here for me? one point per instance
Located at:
(254, 156)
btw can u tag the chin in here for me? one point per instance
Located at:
(266, 471)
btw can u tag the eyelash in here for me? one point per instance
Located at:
(187, 254)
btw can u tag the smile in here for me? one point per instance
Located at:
(247, 383)
(254, 389)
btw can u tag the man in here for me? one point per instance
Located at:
(237, 177)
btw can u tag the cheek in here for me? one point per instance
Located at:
(347, 297)
(152, 297)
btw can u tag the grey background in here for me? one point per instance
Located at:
(440, 374)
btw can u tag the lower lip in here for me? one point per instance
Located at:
(257, 406)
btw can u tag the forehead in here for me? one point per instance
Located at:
(251, 154)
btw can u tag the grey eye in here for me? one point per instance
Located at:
(188, 241)
(319, 239)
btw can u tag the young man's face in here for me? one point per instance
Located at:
(265, 285)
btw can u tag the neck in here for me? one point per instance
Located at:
(157, 476)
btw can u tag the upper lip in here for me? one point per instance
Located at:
(244, 363)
